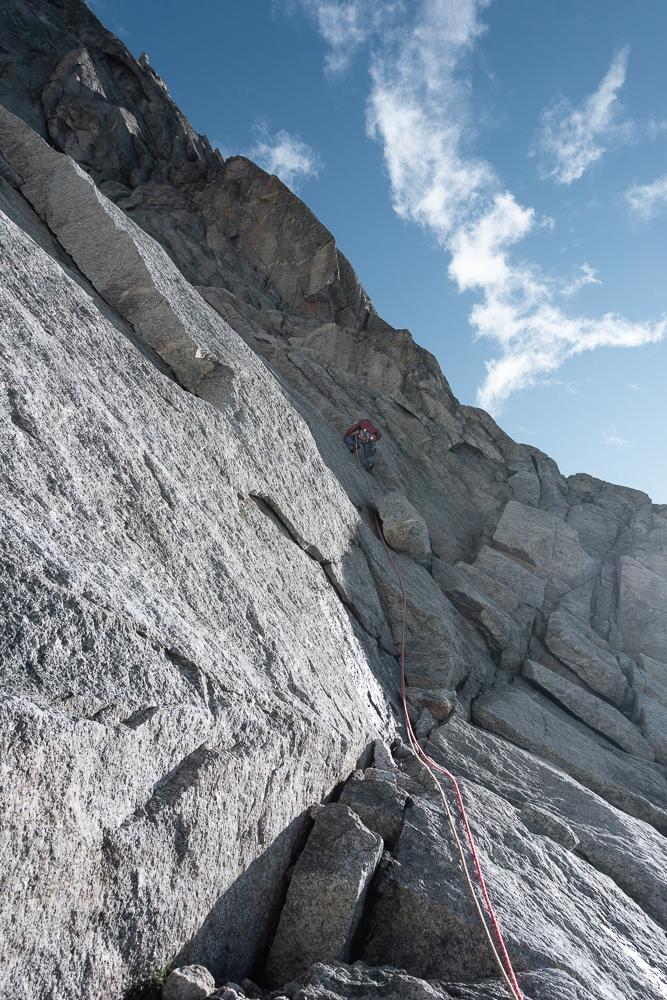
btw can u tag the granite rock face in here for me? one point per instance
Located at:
(326, 895)
(151, 560)
(334, 981)
(200, 625)
(593, 711)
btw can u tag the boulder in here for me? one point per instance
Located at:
(403, 527)
(442, 649)
(510, 583)
(543, 542)
(382, 758)
(506, 635)
(190, 982)
(326, 894)
(439, 701)
(425, 889)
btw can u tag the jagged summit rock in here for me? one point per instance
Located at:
(200, 625)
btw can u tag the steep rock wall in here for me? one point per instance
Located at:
(199, 622)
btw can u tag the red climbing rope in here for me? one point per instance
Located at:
(431, 765)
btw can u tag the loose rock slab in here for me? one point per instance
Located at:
(593, 711)
(191, 982)
(587, 654)
(326, 895)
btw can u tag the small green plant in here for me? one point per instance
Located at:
(149, 988)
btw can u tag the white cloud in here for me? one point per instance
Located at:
(572, 139)
(419, 110)
(478, 251)
(286, 155)
(588, 275)
(614, 440)
(346, 25)
(647, 200)
(541, 339)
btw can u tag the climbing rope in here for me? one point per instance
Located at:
(431, 766)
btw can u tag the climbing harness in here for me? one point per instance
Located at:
(431, 766)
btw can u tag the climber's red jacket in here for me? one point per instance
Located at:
(363, 425)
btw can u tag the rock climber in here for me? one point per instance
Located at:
(363, 436)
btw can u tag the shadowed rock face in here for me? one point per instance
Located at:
(326, 895)
(199, 624)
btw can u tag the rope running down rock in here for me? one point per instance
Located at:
(433, 768)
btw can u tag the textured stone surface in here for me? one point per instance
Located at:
(650, 683)
(378, 802)
(506, 634)
(630, 852)
(531, 721)
(442, 650)
(424, 889)
(146, 695)
(579, 647)
(403, 527)
(198, 621)
(190, 982)
(641, 609)
(593, 711)
(326, 894)
(541, 821)
(361, 982)
(439, 701)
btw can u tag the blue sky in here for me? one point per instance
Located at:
(496, 173)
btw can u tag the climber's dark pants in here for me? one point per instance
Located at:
(367, 449)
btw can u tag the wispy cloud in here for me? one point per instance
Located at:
(647, 200)
(346, 25)
(655, 127)
(587, 276)
(286, 155)
(614, 440)
(569, 387)
(572, 139)
(419, 110)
